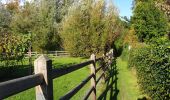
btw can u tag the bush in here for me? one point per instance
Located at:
(153, 70)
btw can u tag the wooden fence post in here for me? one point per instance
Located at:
(111, 51)
(93, 80)
(44, 65)
(110, 57)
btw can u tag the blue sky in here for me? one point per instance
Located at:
(124, 6)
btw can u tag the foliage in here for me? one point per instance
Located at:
(89, 27)
(12, 48)
(37, 20)
(41, 20)
(119, 42)
(164, 6)
(126, 22)
(152, 65)
(13, 6)
(62, 8)
(151, 60)
(149, 22)
(132, 40)
(5, 18)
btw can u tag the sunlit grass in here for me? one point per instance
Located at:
(62, 84)
(127, 82)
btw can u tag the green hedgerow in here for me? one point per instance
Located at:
(153, 70)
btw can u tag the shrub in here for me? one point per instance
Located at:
(153, 70)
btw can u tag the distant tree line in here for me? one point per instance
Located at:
(90, 27)
(79, 26)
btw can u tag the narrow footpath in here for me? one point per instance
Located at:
(127, 82)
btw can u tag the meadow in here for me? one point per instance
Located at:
(62, 84)
(127, 87)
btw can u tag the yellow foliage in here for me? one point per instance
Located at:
(131, 39)
(0, 49)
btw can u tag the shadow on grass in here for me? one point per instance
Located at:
(12, 72)
(111, 85)
(61, 65)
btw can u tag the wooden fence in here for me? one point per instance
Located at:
(42, 80)
(59, 53)
(28, 54)
(51, 53)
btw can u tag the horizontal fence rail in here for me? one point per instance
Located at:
(63, 71)
(59, 53)
(99, 69)
(99, 78)
(18, 85)
(53, 53)
(88, 93)
(42, 80)
(76, 89)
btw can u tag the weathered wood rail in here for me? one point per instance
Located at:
(42, 80)
(59, 53)
(53, 53)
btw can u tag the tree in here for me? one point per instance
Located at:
(38, 19)
(44, 26)
(62, 7)
(89, 27)
(149, 22)
(5, 17)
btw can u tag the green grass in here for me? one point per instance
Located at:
(62, 84)
(127, 82)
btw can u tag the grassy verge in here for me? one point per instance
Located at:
(127, 82)
(63, 84)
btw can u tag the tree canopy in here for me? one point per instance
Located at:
(90, 27)
(81, 27)
(149, 22)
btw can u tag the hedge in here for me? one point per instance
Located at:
(152, 64)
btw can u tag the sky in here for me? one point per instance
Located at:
(124, 6)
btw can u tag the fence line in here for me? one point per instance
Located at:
(44, 75)
(59, 53)
(18, 85)
(51, 53)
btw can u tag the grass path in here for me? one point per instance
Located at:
(127, 82)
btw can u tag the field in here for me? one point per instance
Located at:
(63, 84)
(127, 87)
